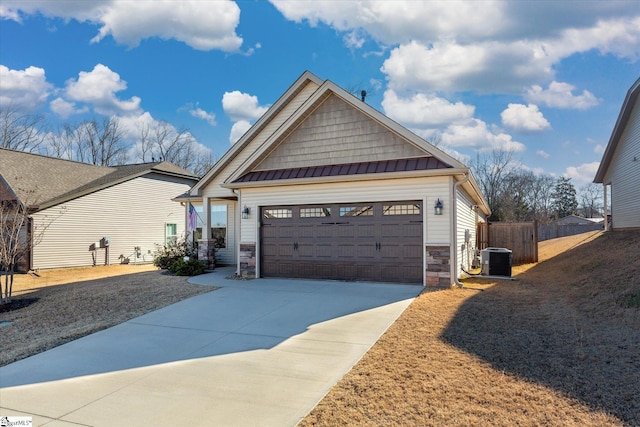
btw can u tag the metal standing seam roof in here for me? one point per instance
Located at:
(383, 166)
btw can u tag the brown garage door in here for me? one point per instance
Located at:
(357, 241)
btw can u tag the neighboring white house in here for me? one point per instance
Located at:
(324, 186)
(83, 204)
(620, 165)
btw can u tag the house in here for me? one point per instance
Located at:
(94, 215)
(324, 186)
(620, 165)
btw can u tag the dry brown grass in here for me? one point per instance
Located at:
(52, 313)
(560, 346)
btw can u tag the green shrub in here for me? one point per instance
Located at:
(191, 267)
(166, 255)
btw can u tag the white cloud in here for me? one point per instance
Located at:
(477, 135)
(424, 110)
(66, 109)
(238, 129)
(599, 149)
(582, 174)
(98, 88)
(480, 46)
(242, 106)
(26, 88)
(543, 154)
(204, 115)
(354, 39)
(560, 95)
(524, 117)
(201, 24)
(482, 67)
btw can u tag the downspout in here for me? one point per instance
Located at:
(454, 230)
(606, 208)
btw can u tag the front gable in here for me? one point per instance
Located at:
(337, 133)
(334, 128)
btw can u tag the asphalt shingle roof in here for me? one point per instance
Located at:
(41, 181)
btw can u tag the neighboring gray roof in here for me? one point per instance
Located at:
(621, 123)
(42, 181)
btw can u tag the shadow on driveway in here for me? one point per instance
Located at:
(241, 316)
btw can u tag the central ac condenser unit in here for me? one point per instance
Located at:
(496, 262)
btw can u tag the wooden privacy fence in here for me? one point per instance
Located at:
(520, 237)
(546, 232)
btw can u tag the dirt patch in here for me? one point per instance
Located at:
(557, 347)
(48, 314)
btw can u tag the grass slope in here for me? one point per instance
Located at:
(560, 346)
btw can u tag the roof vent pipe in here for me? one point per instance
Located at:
(363, 95)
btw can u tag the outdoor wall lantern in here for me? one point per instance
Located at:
(438, 207)
(245, 212)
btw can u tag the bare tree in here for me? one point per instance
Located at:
(491, 170)
(19, 130)
(163, 142)
(591, 196)
(104, 142)
(18, 234)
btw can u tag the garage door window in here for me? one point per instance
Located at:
(278, 213)
(401, 209)
(356, 210)
(315, 212)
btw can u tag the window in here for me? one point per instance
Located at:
(315, 212)
(401, 209)
(170, 234)
(277, 213)
(197, 233)
(219, 225)
(356, 210)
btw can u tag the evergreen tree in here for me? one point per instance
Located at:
(564, 197)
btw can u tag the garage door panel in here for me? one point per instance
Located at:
(372, 242)
(344, 230)
(323, 250)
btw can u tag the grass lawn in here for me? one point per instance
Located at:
(560, 346)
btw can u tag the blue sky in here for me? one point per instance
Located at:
(545, 79)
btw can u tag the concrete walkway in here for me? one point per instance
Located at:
(253, 353)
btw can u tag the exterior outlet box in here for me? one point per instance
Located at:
(496, 262)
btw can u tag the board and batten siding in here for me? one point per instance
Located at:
(437, 228)
(132, 213)
(624, 175)
(336, 133)
(213, 189)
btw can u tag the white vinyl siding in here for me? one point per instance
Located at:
(466, 220)
(133, 213)
(624, 175)
(437, 229)
(213, 189)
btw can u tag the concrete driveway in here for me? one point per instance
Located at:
(259, 352)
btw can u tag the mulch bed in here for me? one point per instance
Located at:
(52, 316)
